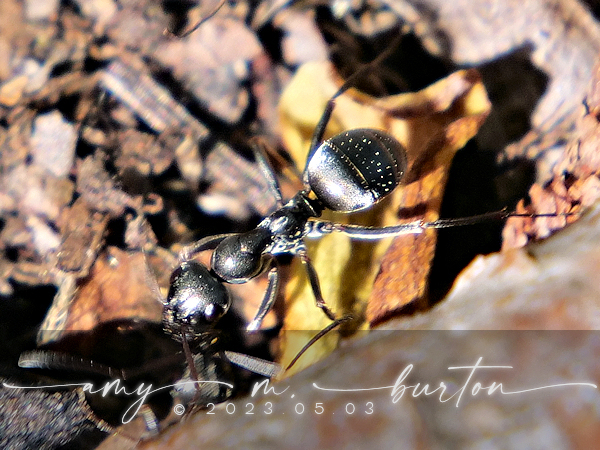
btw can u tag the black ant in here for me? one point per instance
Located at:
(349, 172)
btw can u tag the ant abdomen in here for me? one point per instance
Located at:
(355, 169)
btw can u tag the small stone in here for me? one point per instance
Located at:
(38, 10)
(53, 143)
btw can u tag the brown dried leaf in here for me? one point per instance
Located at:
(117, 288)
(562, 36)
(98, 188)
(236, 186)
(37, 192)
(144, 153)
(579, 157)
(432, 124)
(404, 269)
(82, 231)
(212, 63)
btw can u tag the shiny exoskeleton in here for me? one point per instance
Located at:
(349, 172)
(355, 169)
(196, 300)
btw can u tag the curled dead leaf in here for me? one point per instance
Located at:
(432, 125)
(117, 288)
(573, 184)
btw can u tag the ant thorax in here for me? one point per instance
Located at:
(289, 224)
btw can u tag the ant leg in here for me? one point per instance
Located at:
(314, 283)
(150, 420)
(259, 366)
(50, 360)
(189, 251)
(321, 227)
(317, 137)
(267, 170)
(268, 299)
(318, 336)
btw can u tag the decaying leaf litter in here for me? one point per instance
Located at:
(78, 140)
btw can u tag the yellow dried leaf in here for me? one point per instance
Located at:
(432, 124)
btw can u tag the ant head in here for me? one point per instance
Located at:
(355, 169)
(196, 300)
(241, 257)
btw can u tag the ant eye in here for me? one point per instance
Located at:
(213, 312)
